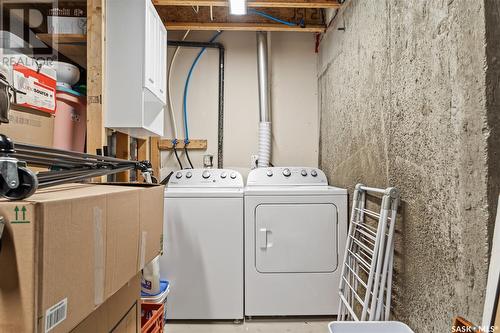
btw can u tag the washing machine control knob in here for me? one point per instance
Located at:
(223, 175)
(303, 172)
(286, 172)
(189, 174)
(269, 173)
(314, 173)
(206, 174)
(233, 175)
(178, 175)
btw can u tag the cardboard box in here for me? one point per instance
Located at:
(119, 314)
(37, 83)
(69, 248)
(30, 127)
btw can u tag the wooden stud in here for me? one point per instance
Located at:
(254, 3)
(96, 133)
(241, 27)
(193, 145)
(142, 155)
(155, 156)
(123, 152)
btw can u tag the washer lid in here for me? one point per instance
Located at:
(287, 176)
(205, 178)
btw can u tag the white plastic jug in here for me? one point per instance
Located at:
(150, 283)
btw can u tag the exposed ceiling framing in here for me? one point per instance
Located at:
(305, 15)
(254, 3)
(241, 27)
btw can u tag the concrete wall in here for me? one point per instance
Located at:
(404, 102)
(294, 99)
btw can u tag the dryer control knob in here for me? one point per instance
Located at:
(233, 175)
(314, 173)
(206, 174)
(178, 175)
(269, 173)
(189, 174)
(223, 175)
(286, 172)
(303, 173)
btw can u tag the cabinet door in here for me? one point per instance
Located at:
(150, 47)
(162, 63)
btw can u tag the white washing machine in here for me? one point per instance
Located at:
(203, 244)
(295, 234)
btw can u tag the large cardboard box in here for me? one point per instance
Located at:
(67, 249)
(119, 314)
(29, 126)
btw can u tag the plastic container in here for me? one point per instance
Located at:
(160, 298)
(70, 121)
(152, 318)
(150, 282)
(368, 327)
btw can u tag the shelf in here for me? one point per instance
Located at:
(73, 46)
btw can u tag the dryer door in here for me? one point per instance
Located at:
(296, 238)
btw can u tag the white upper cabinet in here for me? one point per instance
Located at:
(155, 47)
(136, 68)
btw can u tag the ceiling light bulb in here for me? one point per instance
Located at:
(238, 7)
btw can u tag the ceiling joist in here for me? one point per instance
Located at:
(254, 3)
(184, 18)
(241, 27)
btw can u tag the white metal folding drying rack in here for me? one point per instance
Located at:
(365, 286)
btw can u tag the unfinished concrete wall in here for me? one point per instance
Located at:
(404, 102)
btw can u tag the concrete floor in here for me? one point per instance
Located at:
(319, 325)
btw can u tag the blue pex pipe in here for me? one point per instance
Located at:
(290, 24)
(186, 86)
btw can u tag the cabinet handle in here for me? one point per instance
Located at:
(151, 80)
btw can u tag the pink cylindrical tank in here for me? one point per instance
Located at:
(70, 121)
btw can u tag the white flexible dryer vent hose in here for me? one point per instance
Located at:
(264, 144)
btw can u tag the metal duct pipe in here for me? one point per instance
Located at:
(264, 101)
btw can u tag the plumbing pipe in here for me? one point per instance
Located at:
(169, 84)
(264, 101)
(220, 132)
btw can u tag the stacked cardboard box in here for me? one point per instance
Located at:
(68, 249)
(119, 314)
(29, 126)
